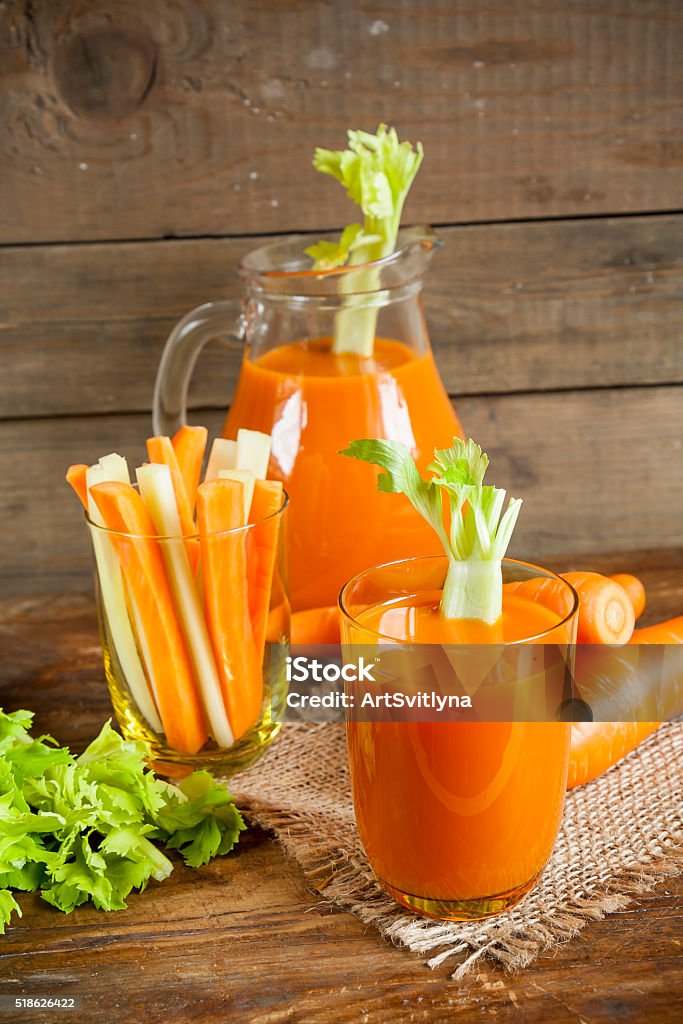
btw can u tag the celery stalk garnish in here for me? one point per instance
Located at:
(478, 532)
(377, 172)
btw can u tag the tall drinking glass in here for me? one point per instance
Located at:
(458, 818)
(200, 699)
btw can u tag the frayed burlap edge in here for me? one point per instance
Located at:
(638, 805)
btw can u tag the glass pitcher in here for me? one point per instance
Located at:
(314, 400)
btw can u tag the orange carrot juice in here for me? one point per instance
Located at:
(458, 819)
(313, 402)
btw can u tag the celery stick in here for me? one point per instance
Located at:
(121, 633)
(377, 172)
(143, 642)
(156, 488)
(223, 456)
(243, 476)
(479, 531)
(116, 468)
(253, 452)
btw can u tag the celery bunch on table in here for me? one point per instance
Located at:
(185, 597)
(93, 827)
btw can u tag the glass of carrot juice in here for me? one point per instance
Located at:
(459, 818)
(194, 630)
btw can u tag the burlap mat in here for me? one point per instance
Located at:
(621, 834)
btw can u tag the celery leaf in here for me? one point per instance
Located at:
(90, 828)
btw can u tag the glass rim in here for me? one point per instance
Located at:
(187, 536)
(419, 236)
(423, 558)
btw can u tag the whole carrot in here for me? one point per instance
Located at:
(635, 590)
(597, 746)
(606, 614)
(669, 632)
(316, 626)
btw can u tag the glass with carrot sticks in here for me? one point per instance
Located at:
(192, 598)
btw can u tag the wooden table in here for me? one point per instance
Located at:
(246, 939)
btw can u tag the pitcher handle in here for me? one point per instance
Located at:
(185, 342)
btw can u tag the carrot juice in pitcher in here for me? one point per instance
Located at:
(313, 401)
(335, 348)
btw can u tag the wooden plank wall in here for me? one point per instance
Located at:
(144, 148)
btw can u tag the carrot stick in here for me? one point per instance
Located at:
(128, 644)
(596, 746)
(223, 455)
(279, 620)
(670, 632)
(124, 511)
(75, 475)
(267, 500)
(160, 449)
(635, 590)
(316, 626)
(220, 507)
(189, 445)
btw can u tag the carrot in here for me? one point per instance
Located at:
(267, 500)
(651, 688)
(670, 632)
(189, 445)
(75, 475)
(279, 619)
(124, 511)
(220, 507)
(596, 746)
(547, 590)
(635, 590)
(160, 449)
(316, 626)
(605, 612)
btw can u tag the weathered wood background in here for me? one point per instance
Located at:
(144, 147)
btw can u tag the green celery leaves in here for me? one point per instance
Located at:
(90, 828)
(377, 172)
(479, 531)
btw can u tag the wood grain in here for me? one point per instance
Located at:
(516, 307)
(200, 117)
(587, 463)
(245, 939)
